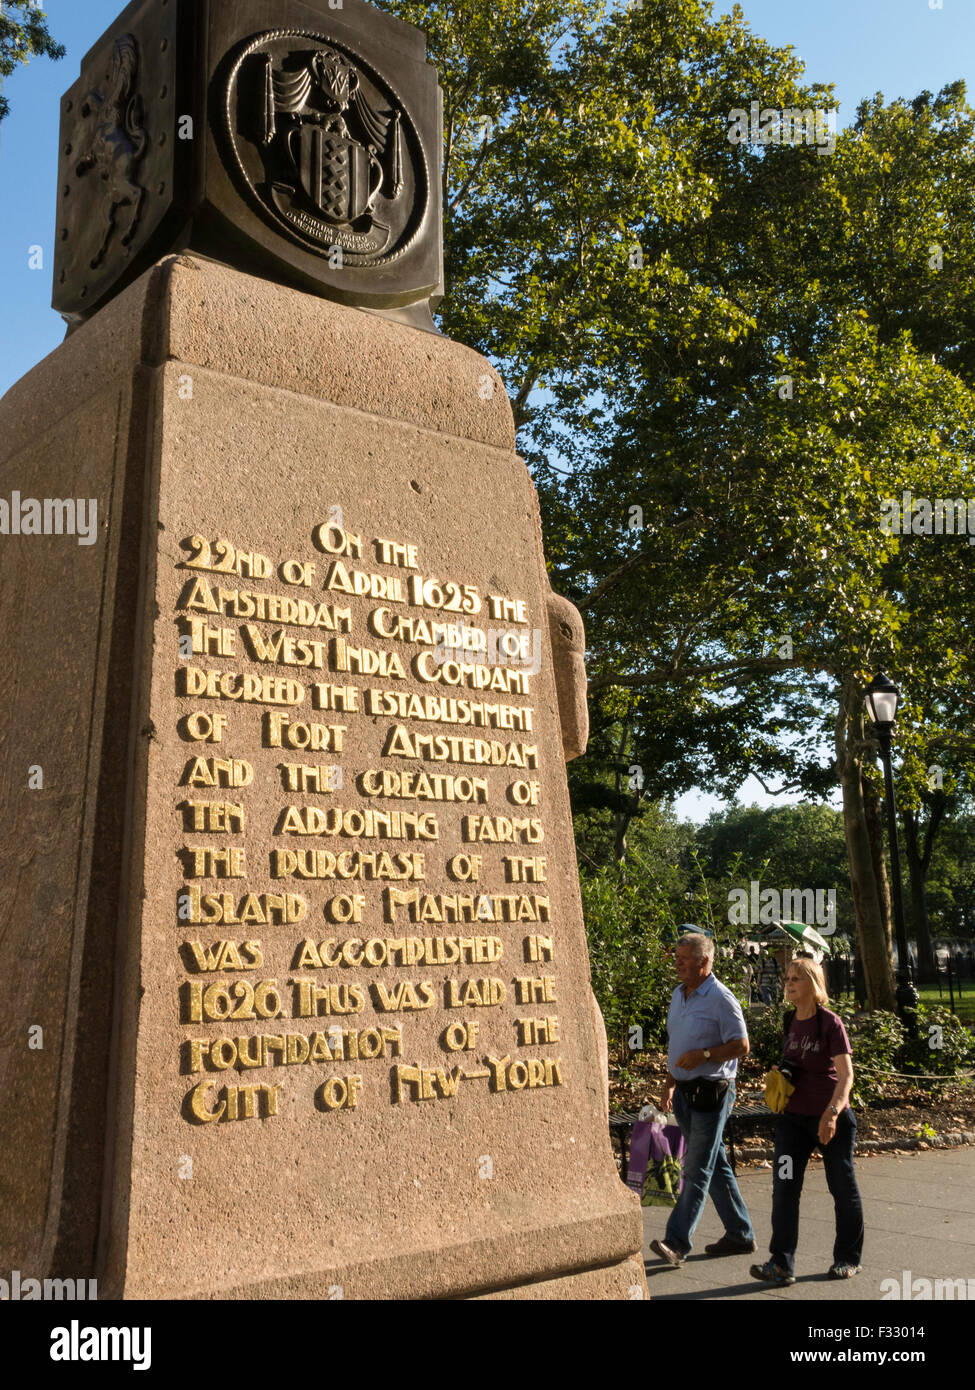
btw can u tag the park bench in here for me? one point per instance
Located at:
(750, 1117)
(621, 1128)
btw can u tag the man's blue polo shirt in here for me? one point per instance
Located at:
(710, 1017)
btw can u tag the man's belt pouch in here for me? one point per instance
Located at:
(704, 1093)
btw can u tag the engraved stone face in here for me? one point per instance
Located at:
(325, 148)
(288, 138)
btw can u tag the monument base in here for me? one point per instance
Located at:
(268, 1068)
(624, 1280)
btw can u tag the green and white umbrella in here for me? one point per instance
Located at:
(801, 935)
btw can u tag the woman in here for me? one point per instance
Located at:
(818, 1052)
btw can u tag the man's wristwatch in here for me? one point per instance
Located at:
(707, 1053)
(834, 1110)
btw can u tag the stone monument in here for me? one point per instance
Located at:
(296, 991)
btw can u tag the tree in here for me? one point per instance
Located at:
(794, 847)
(760, 554)
(904, 223)
(566, 138)
(23, 36)
(933, 786)
(722, 360)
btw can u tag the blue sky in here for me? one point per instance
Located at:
(899, 47)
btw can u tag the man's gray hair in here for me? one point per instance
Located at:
(701, 945)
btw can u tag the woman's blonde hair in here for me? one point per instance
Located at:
(813, 971)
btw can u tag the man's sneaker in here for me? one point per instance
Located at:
(842, 1271)
(727, 1246)
(666, 1253)
(771, 1274)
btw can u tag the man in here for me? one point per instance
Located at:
(706, 1036)
(768, 980)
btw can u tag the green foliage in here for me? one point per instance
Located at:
(877, 1040)
(951, 884)
(798, 845)
(882, 1044)
(632, 912)
(943, 1046)
(794, 847)
(645, 288)
(765, 1034)
(882, 1047)
(626, 918)
(964, 1004)
(23, 36)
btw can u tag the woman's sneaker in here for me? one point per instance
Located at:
(770, 1273)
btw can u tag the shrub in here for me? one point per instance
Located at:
(765, 1034)
(632, 977)
(943, 1045)
(877, 1040)
(882, 1044)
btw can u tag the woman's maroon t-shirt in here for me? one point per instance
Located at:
(811, 1046)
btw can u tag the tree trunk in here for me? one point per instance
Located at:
(619, 823)
(622, 814)
(919, 862)
(873, 946)
(874, 810)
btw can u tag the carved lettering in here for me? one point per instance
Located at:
(465, 907)
(349, 864)
(445, 709)
(207, 861)
(217, 817)
(399, 951)
(265, 608)
(234, 1102)
(272, 909)
(537, 1030)
(281, 732)
(502, 830)
(535, 991)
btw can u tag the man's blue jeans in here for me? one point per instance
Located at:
(706, 1169)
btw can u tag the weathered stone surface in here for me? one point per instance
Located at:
(624, 1280)
(569, 654)
(192, 421)
(232, 323)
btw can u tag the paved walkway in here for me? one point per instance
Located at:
(919, 1214)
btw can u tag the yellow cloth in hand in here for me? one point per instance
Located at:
(777, 1091)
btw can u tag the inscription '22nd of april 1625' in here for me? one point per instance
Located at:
(434, 632)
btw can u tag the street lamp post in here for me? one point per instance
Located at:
(882, 698)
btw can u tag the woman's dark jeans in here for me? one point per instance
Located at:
(795, 1138)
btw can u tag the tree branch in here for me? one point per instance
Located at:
(789, 787)
(611, 579)
(758, 667)
(462, 191)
